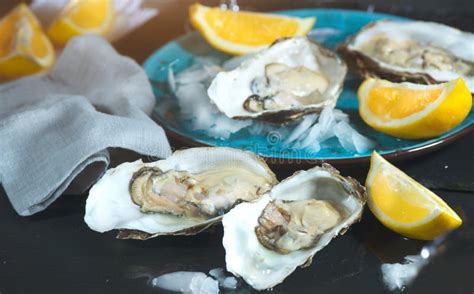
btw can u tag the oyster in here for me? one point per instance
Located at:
(267, 239)
(287, 226)
(183, 194)
(291, 78)
(415, 51)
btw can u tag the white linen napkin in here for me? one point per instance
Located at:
(54, 126)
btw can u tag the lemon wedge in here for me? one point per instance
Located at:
(413, 111)
(24, 48)
(82, 17)
(245, 32)
(405, 206)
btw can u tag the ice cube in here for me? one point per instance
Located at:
(351, 140)
(186, 282)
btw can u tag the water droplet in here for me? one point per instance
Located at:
(425, 253)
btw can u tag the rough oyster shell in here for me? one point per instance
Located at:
(414, 51)
(111, 204)
(263, 268)
(289, 79)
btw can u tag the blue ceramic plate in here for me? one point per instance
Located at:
(340, 24)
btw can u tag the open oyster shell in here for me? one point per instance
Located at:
(415, 51)
(181, 195)
(289, 79)
(298, 217)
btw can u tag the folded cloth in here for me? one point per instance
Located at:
(58, 126)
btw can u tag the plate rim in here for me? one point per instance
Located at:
(397, 155)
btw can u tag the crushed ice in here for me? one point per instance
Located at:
(195, 282)
(400, 275)
(190, 88)
(224, 282)
(186, 282)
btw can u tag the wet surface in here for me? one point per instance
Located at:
(55, 252)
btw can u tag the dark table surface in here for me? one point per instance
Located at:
(55, 252)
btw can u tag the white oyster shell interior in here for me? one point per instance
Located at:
(263, 268)
(229, 90)
(110, 206)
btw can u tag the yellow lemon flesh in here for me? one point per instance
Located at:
(413, 111)
(245, 32)
(405, 206)
(82, 17)
(24, 48)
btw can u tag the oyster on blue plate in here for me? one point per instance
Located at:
(291, 78)
(414, 51)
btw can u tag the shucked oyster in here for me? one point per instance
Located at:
(287, 226)
(413, 51)
(291, 78)
(267, 239)
(183, 194)
(204, 194)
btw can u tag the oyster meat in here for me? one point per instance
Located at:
(413, 51)
(291, 78)
(267, 239)
(183, 194)
(287, 226)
